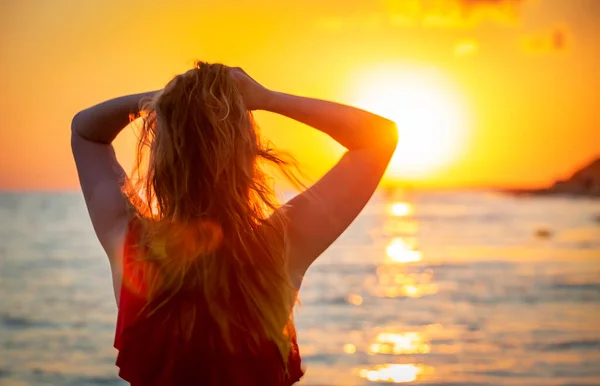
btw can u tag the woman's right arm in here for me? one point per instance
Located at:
(319, 215)
(353, 128)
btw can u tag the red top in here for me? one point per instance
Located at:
(152, 352)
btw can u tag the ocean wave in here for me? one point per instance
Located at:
(440, 267)
(4, 373)
(328, 359)
(498, 373)
(334, 300)
(72, 378)
(458, 218)
(577, 344)
(344, 269)
(577, 286)
(22, 322)
(466, 383)
(497, 299)
(97, 381)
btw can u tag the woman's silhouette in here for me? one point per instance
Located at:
(206, 267)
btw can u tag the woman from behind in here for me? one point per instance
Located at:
(206, 265)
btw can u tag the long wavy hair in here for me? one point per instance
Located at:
(205, 205)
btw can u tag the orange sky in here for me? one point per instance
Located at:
(524, 74)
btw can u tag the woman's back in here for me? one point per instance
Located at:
(155, 348)
(206, 266)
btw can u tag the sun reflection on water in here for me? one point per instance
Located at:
(401, 209)
(399, 343)
(411, 290)
(394, 280)
(400, 250)
(392, 373)
(398, 275)
(355, 299)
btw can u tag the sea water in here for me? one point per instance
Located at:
(446, 288)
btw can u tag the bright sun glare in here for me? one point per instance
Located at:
(428, 112)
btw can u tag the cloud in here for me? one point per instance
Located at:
(367, 22)
(467, 47)
(555, 39)
(330, 23)
(452, 13)
(428, 13)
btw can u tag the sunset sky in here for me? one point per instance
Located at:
(485, 93)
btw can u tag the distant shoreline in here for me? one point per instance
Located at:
(584, 182)
(549, 192)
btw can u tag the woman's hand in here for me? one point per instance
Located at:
(255, 95)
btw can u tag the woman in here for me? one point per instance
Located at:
(206, 267)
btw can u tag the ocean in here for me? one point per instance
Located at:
(446, 288)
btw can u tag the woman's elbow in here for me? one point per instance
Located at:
(83, 126)
(388, 137)
(383, 142)
(77, 122)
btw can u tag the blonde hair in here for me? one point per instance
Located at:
(204, 203)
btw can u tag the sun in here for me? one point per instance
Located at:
(428, 112)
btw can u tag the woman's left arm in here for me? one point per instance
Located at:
(100, 175)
